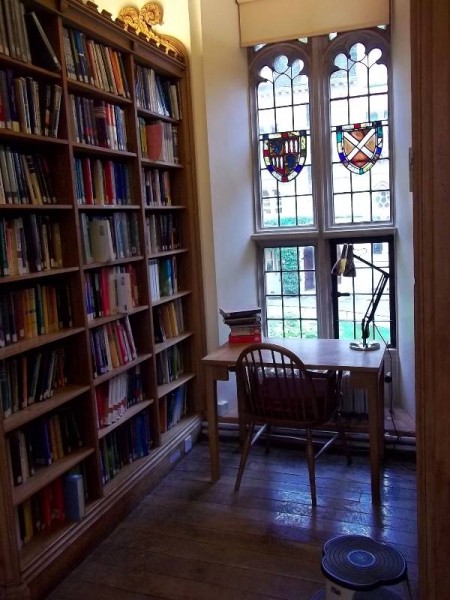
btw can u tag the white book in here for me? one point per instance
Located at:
(101, 241)
(124, 292)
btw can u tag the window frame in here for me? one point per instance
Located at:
(318, 54)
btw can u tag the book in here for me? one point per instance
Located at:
(244, 311)
(155, 140)
(245, 339)
(42, 52)
(100, 240)
(74, 496)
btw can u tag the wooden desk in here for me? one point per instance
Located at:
(367, 372)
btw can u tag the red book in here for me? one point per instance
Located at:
(244, 339)
(108, 177)
(87, 181)
(58, 512)
(155, 137)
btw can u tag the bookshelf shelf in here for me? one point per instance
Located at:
(106, 208)
(39, 275)
(46, 475)
(129, 413)
(41, 340)
(34, 207)
(110, 374)
(166, 388)
(102, 320)
(24, 416)
(163, 253)
(172, 341)
(74, 200)
(146, 162)
(165, 299)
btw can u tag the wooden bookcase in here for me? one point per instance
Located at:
(100, 411)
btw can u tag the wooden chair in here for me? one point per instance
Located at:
(275, 389)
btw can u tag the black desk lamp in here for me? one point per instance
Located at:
(345, 266)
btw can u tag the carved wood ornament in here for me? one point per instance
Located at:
(141, 20)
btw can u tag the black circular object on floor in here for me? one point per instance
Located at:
(357, 562)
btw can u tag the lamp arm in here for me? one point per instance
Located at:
(375, 300)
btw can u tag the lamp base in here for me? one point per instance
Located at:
(361, 347)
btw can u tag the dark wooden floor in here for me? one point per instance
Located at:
(191, 539)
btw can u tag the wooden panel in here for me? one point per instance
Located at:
(430, 39)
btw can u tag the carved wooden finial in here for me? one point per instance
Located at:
(141, 22)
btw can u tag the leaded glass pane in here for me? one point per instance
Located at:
(378, 77)
(338, 85)
(292, 311)
(358, 79)
(286, 88)
(343, 208)
(378, 107)
(301, 117)
(358, 110)
(359, 138)
(287, 211)
(265, 95)
(339, 112)
(266, 121)
(283, 91)
(352, 308)
(361, 207)
(284, 119)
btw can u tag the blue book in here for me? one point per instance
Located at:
(74, 497)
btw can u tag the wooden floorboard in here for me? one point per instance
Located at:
(191, 539)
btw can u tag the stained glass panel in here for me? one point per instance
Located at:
(359, 137)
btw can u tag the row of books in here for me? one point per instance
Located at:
(27, 313)
(156, 187)
(169, 365)
(112, 345)
(28, 105)
(244, 322)
(62, 499)
(42, 442)
(109, 238)
(163, 277)
(156, 93)
(24, 178)
(168, 320)
(115, 396)
(94, 63)
(162, 231)
(29, 244)
(172, 407)
(124, 445)
(110, 291)
(22, 36)
(98, 123)
(158, 140)
(102, 182)
(13, 33)
(32, 378)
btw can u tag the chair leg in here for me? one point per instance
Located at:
(311, 466)
(244, 455)
(341, 430)
(268, 432)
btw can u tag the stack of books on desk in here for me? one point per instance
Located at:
(245, 324)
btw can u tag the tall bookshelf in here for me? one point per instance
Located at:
(100, 286)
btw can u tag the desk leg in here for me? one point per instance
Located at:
(213, 428)
(214, 373)
(375, 396)
(373, 383)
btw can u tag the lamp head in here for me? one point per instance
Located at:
(345, 264)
